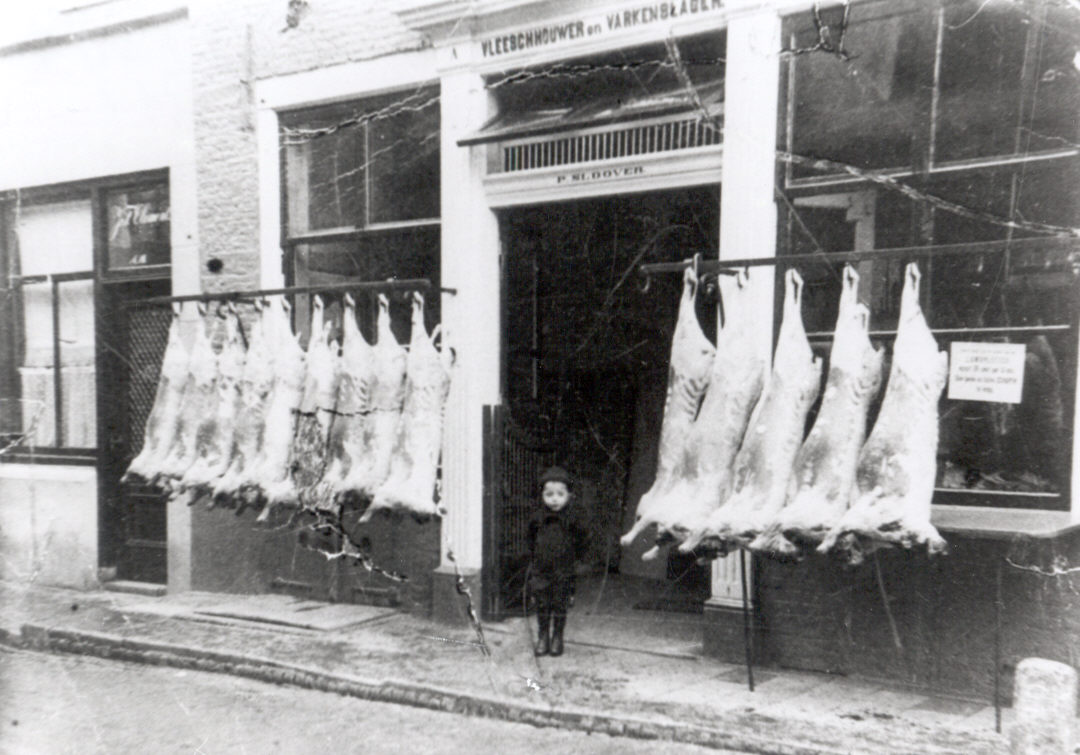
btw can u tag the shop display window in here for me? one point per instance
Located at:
(982, 138)
(364, 164)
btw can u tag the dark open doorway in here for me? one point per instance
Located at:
(586, 362)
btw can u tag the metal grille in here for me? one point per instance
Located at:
(513, 462)
(628, 141)
(147, 332)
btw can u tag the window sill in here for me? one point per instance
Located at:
(1002, 524)
(76, 457)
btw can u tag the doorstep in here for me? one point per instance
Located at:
(148, 589)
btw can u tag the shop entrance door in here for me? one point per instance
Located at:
(131, 346)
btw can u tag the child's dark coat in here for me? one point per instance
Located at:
(556, 540)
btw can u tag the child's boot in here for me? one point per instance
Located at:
(556, 635)
(543, 644)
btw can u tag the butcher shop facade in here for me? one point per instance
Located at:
(877, 148)
(791, 291)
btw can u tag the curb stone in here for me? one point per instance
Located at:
(101, 645)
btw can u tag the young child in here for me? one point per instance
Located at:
(557, 538)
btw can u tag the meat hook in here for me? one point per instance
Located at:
(648, 282)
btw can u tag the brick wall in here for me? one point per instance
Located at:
(233, 45)
(820, 615)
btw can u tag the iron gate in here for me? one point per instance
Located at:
(513, 461)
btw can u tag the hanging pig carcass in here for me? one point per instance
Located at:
(410, 485)
(824, 470)
(214, 446)
(198, 403)
(271, 466)
(764, 463)
(688, 377)
(704, 480)
(350, 434)
(387, 394)
(897, 466)
(161, 424)
(256, 381)
(307, 454)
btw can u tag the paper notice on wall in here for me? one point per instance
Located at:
(986, 371)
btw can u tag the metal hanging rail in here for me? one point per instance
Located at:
(728, 267)
(404, 284)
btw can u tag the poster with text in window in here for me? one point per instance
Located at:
(138, 226)
(980, 371)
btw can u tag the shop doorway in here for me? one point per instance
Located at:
(586, 363)
(131, 346)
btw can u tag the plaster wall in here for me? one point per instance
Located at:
(48, 525)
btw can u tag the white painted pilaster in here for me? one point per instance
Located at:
(186, 279)
(471, 318)
(266, 138)
(747, 205)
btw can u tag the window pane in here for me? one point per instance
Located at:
(77, 373)
(55, 238)
(982, 58)
(138, 226)
(405, 164)
(37, 375)
(1018, 447)
(409, 253)
(1056, 95)
(1046, 192)
(864, 110)
(325, 174)
(36, 371)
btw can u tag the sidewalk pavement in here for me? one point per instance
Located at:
(380, 654)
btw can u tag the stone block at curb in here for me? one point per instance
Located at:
(1045, 708)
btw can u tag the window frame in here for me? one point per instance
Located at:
(95, 190)
(287, 118)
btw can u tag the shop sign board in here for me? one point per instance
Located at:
(980, 371)
(601, 25)
(599, 174)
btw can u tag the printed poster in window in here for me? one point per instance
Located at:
(138, 227)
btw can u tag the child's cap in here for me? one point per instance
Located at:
(556, 474)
